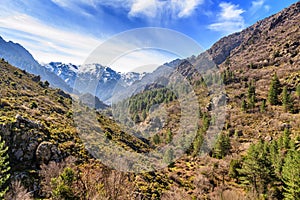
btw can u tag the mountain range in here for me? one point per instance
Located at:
(64, 76)
(255, 156)
(18, 56)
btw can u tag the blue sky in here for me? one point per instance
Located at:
(69, 30)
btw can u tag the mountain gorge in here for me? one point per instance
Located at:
(255, 156)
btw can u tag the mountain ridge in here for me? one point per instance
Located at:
(20, 57)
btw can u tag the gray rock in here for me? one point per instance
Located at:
(44, 152)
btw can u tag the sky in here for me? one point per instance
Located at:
(69, 31)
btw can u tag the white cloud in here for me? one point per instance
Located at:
(47, 43)
(141, 8)
(142, 60)
(73, 3)
(257, 5)
(187, 7)
(148, 8)
(157, 8)
(267, 8)
(229, 20)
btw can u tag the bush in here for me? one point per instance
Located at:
(4, 103)
(4, 169)
(33, 105)
(18, 191)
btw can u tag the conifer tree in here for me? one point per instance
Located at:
(286, 138)
(198, 143)
(169, 156)
(276, 158)
(156, 139)
(256, 170)
(286, 100)
(169, 136)
(274, 90)
(222, 146)
(263, 106)
(4, 169)
(291, 175)
(234, 165)
(244, 105)
(251, 95)
(298, 90)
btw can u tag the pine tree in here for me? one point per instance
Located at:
(298, 90)
(256, 170)
(136, 118)
(63, 185)
(234, 165)
(286, 138)
(169, 136)
(222, 146)
(206, 122)
(156, 139)
(244, 105)
(263, 106)
(291, 175)
(276, 158)
(144, 115)
(286, 100)
(4, 169)
(274, 90)
(198, 142)
(251, 95)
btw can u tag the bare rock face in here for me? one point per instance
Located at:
(28, 143)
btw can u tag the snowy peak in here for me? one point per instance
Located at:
(131, 77)
(67, 72)
(107, 78)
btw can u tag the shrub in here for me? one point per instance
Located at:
(33, 105)
(18, 191)
(4, 169)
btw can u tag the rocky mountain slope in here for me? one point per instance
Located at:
(256, 149)
(18, 56)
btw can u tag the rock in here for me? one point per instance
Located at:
(63, 94)
(220, 100)
(284, 126)
(268, 138)
(44, 152)
(19, 154)
(29, 123)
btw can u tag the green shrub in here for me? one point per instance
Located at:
(33, 105)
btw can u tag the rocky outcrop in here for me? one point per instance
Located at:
(46, 151)
(28, 145)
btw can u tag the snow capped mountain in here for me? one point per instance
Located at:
(93, 78)
(67, 72)
(130, 77)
